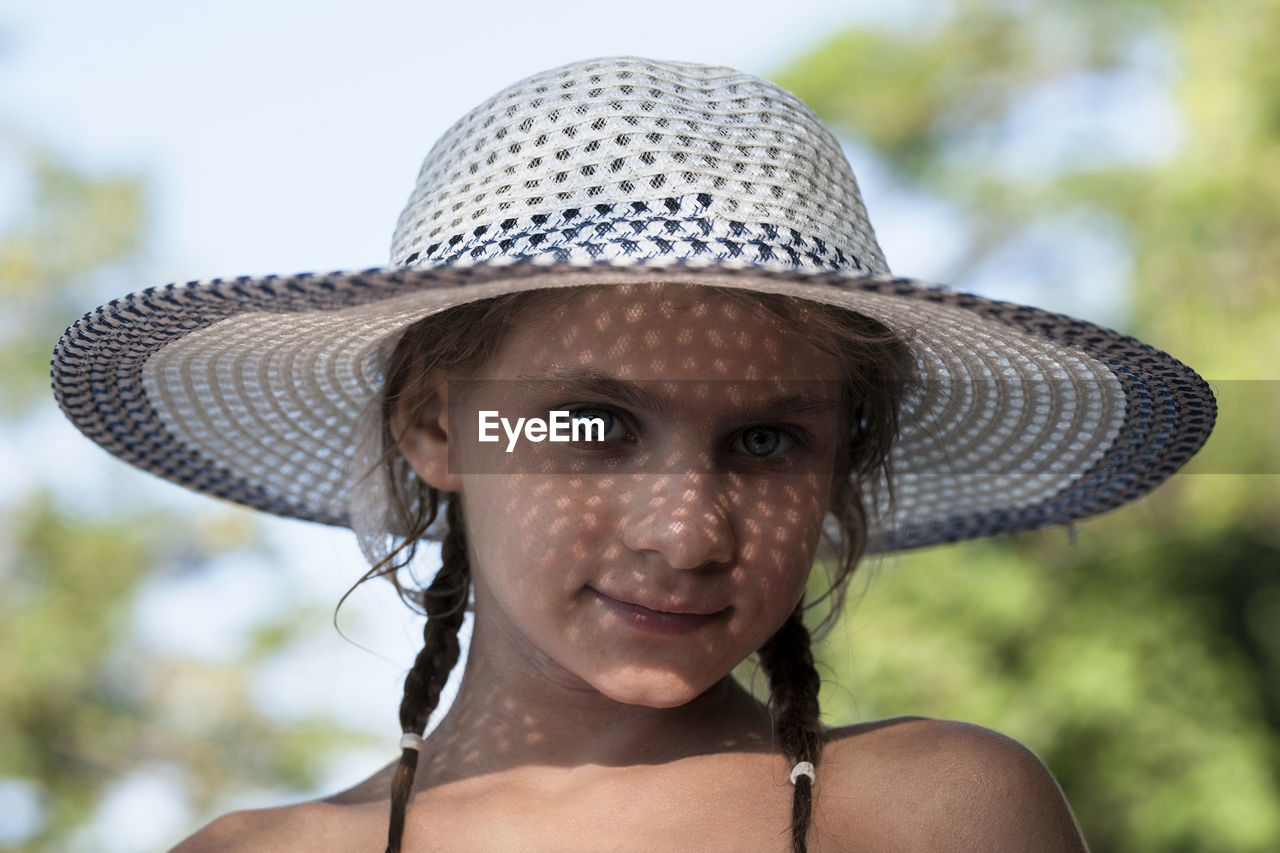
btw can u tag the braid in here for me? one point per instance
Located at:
(445, 602)
(793, 684)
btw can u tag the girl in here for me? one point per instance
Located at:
(636, 359)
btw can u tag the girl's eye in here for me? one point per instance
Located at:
(762, 441)
(611, 427)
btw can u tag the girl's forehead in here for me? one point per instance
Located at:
(661, 331)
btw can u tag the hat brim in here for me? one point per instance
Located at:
(250, 389)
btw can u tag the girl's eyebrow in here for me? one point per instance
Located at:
(594, 382)
(633, 395)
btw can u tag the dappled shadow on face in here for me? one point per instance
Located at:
(644, 473)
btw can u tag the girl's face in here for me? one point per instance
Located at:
(648, 564)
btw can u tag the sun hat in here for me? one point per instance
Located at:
(619, 170)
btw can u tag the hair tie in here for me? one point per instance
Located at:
(803, 768)
(409, 740)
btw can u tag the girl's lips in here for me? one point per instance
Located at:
(665, 622)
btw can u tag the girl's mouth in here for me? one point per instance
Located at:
(681, 620)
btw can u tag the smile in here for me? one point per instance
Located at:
(682, 620)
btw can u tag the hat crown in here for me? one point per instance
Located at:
(644, 161)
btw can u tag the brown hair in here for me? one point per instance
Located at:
(877, 366)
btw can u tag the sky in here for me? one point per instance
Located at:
(285, 136)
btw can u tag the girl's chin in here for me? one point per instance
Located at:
(651, 688)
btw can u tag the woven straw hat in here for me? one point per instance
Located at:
(613, 171)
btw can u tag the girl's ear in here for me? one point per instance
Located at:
(420, 423)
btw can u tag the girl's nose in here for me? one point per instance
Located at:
(684, 518)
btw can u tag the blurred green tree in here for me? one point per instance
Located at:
(1142, 663)
(84, 704)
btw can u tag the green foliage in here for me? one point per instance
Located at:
(73, 226)
(1141, 663)
(84, 703)
(61, 715)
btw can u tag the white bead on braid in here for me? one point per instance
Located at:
(803, 768)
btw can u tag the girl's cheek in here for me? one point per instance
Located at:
(785, 510)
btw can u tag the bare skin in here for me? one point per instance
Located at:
(596, 711)
(908, 784)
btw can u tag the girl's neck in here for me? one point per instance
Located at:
(505, 717)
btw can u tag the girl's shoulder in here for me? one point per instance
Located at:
(907, 783)
(920, 783)
(300, 827)
(344, 821)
